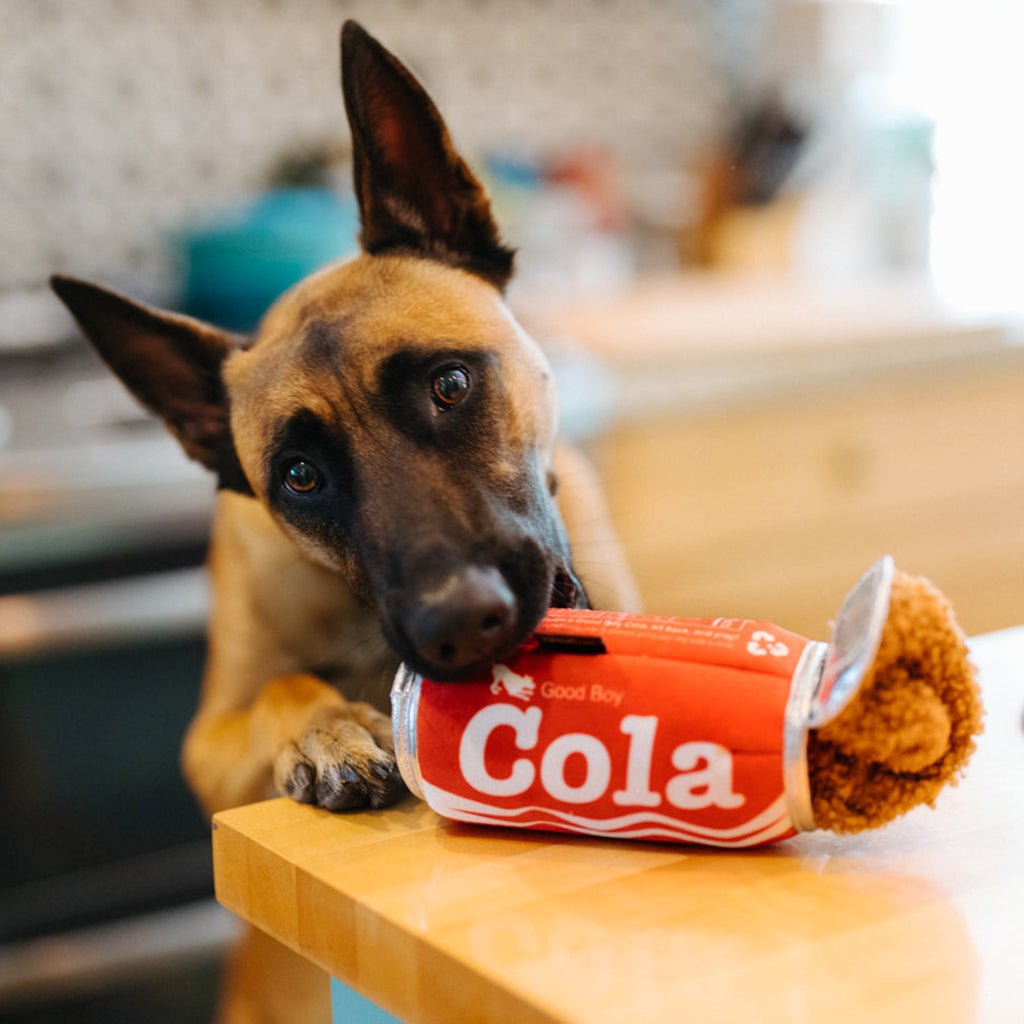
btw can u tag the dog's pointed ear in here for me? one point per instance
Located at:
(171, 363)
(415, 192)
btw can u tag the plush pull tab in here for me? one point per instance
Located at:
(561, 643)
(854, 642)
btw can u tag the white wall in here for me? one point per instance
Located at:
(122, 118)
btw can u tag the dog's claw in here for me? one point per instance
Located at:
(341, 790)
(299, 785)
(337, 765)
(392, 789)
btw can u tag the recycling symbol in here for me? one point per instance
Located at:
(763, 643)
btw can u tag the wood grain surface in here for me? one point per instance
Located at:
(438, 922)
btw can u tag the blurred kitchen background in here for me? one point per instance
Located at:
(771, 246)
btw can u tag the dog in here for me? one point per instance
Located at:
(390, 485)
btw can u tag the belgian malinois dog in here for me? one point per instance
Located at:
(387, 466)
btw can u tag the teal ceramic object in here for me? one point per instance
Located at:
(238, 261)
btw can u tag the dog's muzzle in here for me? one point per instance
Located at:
(471, 617)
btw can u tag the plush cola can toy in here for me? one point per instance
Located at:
(724, 732)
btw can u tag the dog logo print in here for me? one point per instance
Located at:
(763, 643)
(515, 685)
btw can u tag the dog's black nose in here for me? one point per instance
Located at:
(470, 617)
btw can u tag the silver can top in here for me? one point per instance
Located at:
(405, 705)
(856, 634)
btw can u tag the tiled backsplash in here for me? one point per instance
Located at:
(121, 119)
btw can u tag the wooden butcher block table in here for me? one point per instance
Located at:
(922, 921)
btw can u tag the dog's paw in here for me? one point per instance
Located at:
(336, 764)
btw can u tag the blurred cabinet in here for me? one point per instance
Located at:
(769, 446)
(772, 509)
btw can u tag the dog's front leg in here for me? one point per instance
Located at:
(342, 758)
(598, 557)
(266, 724)
(299, 737)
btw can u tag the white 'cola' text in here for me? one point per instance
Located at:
(705, 769)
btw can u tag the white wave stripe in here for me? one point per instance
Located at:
(783, 827)
(452, 804)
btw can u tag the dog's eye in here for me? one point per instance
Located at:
(300, 476)
(450, 386)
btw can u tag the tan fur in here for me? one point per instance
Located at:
(597, 553)
(910, 729)
(274, 615)
(382, 301)
(307, 581)
(276, 612)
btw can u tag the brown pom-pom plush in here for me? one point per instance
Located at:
(910, 729)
